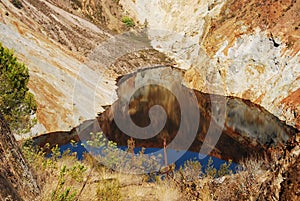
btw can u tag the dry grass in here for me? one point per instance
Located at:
(64, 178)
(167, 191)
(244, 185)
(87, 180)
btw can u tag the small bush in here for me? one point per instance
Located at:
(17, 104)
(62, 176)
(244, 185)
(62, 193)
(108, 154)
(128, 21)
(210, 170)
(225, 169)
(191, 170)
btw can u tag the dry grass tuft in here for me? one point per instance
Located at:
(167, 191)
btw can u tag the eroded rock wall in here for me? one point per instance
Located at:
(42, 35)
(73, 60)
(248, 49)
(244, 128)
(237, 48)
(282, 181)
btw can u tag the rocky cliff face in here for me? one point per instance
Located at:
(282, 181)
(16, 179)
(72, 62)
(248, 49)
(238, 127)
(42, 35)
(244, 128)
(237, 48)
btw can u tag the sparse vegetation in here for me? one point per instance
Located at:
(62, 193)
(244, 185)
(191, 170)
(225, 169)
(17, 104)
(210, 171)
(128, 21)
(108, 154)
(67, 178)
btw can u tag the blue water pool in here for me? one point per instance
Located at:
(178, 157)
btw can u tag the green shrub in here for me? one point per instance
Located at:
(16, 102)
(128, 21)
(210, 170)
(224, 169)
(62, 193)
(114, 158)
(191, 170)
(66, 175)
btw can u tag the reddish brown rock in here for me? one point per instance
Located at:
(17, 181)
(283, 182)
(248, 129)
